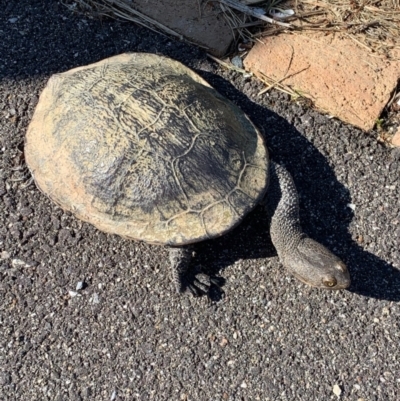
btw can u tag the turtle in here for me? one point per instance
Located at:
(141, 146)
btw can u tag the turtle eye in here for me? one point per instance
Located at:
(329, 282)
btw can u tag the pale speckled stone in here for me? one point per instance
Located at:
(396, 138)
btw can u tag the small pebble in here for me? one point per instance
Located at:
(19, 263)
(337, 390)
(13, 20)
(223, 342)
(95, 298)
(79, 285)
(26, 211)
(237, 61)
(15, 233)
(352, 206)
(5, 255)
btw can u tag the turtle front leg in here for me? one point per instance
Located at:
(198, 284)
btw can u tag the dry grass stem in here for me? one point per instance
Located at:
(123, 10)
(277, 84)
(373, 24)
(273, 84)
(237, 5)
(229, 66)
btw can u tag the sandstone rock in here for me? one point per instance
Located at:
(341, 77)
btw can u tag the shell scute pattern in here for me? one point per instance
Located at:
(147, 150)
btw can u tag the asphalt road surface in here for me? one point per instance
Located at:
(122, 333)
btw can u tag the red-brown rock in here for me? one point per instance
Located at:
(341, 77)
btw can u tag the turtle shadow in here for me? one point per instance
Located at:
(324, 213)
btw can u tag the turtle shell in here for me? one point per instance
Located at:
(141, 146)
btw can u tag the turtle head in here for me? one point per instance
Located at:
(315, 265)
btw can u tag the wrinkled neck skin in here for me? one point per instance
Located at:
(305, 258)
(283, 211)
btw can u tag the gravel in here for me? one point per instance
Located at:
(90, 316)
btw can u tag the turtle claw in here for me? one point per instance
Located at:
(192, 279)
(203, 284)
(196, 291)
(217, 281)
(200, 284)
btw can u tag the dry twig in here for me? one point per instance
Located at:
(373, 24)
